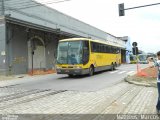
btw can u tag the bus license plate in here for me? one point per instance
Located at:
(66, 70)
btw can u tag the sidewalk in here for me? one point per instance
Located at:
(122, 98)
(18, 79)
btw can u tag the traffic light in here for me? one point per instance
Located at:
(121, 9)
(134, 44)
(135, 50)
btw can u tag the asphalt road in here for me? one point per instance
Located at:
(99, 81)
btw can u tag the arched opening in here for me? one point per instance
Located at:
(36, 54)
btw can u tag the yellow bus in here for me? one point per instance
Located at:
(79, 56)
(133, 59)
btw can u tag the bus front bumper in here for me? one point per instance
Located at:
(73, 71)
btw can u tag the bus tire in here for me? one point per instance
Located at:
(112, 67)
(91, 70)
(116, 65)
(70, 75)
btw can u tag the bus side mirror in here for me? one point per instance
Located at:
(55, 54)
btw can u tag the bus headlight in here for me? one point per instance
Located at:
(58, 67)
(58, 70)
(78, 67)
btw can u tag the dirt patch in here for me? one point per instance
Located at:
(35, 73)
(150, 72)
(41, 72)
(144, 77)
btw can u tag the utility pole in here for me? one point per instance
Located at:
(2, 7)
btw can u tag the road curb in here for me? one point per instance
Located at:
(131, 81)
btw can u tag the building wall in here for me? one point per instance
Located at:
(51, 51)
(18, 49)
(2, 47)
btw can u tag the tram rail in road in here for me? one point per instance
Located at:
(26, 96)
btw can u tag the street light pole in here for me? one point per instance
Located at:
(142, 6)
(122, 9)
(32, 55)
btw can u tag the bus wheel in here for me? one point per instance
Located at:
(112, 67)
(91, 71)
(70, 75)
(116, 65)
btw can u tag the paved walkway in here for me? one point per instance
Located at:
(120, 98)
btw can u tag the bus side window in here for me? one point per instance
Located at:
(111, 49)
(101, 48)
(107, 49)
(114, 50)
(117, 51)
(93, 47)
(104, 48)
(97, 47)
(85, 52)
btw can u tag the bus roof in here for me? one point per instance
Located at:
(98, 41)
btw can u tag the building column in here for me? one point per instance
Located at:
(9, 49)
(3, 61)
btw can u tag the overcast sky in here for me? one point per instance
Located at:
(141, 25)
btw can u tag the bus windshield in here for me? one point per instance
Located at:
(70, 52)
(132, 57)
(142, 57)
